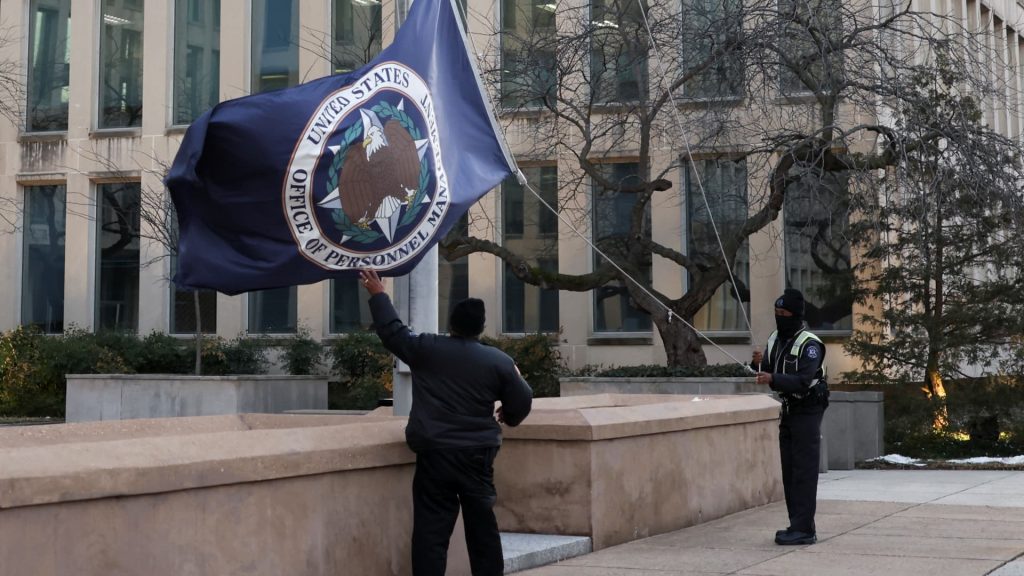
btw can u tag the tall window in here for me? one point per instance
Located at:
(612, 210)
(725, 184)
(121, 65)
(811, 28)
(710, 28)
(183, 305)
(350, 310)
(275, 44)
(452, 280)
(357, 33)
(818, 249)
(117, 294)
(275, 64)
(530, 230)
(274, 311)
(49, 58)
(196, 58)
(528, 72)
(618, 55)
(42, 283)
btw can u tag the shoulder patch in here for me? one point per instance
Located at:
(812, 351)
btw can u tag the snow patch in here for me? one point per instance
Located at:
(897, 459)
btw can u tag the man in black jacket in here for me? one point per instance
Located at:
(794, 368)
(453, 428)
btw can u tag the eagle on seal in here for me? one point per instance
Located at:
(380, 175)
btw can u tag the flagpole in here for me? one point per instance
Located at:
(416, 300)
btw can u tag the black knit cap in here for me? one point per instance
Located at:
(467, 318)
(792, 300)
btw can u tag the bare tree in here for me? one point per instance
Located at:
(805, 94)
(157, 223)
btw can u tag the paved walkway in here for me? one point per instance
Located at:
(870, 522)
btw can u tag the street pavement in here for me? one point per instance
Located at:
(870, 522)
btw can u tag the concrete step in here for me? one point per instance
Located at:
(525, 551)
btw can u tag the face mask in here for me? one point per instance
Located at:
(788, 325)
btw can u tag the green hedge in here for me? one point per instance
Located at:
(538, 360)
(360, 372)
(33, 365)
(983, 417)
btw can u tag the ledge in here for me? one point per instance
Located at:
(102, 460)
(620, 341)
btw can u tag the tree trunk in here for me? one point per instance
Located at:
(935, 390)
(682, 344)
(199, 335)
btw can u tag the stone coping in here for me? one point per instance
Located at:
(69, 462)
(607, 416)
(172, 455)
(193, 377)
(626, 379)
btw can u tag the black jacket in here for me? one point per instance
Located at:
(793, 376)
(455, 383)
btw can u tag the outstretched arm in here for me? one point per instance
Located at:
(393, 333)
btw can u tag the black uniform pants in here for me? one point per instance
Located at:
(444, 480)
(800, 446)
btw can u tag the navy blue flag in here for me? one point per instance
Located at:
(362, 170)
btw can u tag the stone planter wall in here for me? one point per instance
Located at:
(853, 427)
(126, 396)
(618, 468)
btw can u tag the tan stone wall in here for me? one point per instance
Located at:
(326, 495)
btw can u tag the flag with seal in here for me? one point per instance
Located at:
(363, 170)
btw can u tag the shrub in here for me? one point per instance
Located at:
(164, 354)
(243, 355)
(983, 418)
(538, 359)
(363, 370)
(302, 354)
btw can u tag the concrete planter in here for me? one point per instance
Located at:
(127, 396)
(621, 467)
(853, 427)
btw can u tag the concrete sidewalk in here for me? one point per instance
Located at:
(891, 522)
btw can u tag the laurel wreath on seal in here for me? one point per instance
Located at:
(384, 110)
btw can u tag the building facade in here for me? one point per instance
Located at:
(111, 86)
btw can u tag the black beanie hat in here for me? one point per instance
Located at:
(791, 300)
(467, 318)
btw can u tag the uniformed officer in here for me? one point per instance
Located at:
(794, 369)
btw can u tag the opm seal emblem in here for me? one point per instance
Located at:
(369, 165)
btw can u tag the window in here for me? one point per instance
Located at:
(121, 65)
(725, 184)
(49, 62)
(812, 28)
(350, 310)
(612, 209)
(275, 44)
(452, 280)
(618, 56)
(183, 304)
(528, 231)
(357, 33)
(117, 294)
(42, 282)
(528, 72)
(274, 311)
(196, 58)
(710, 27)
(816, 213)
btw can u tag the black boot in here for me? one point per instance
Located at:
(795, 538)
